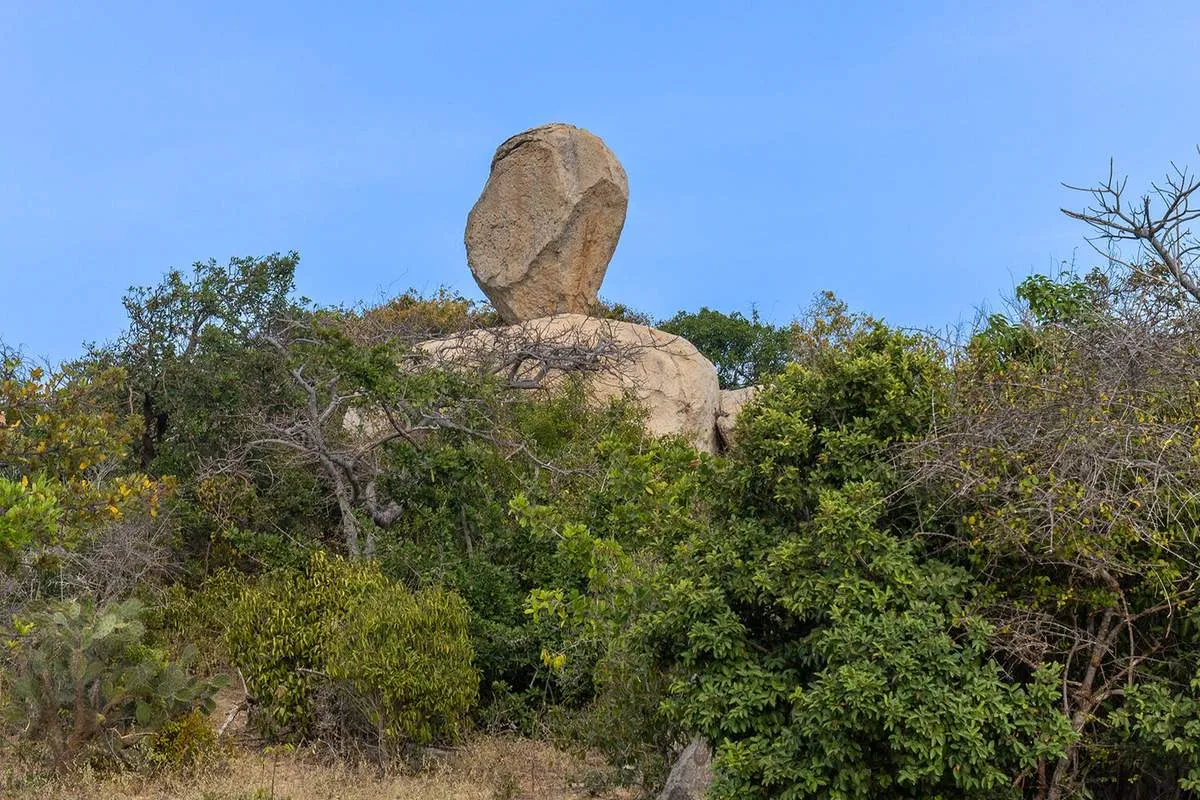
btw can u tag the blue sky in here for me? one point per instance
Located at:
(906, 155)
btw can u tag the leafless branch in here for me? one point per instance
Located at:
(1158, 221)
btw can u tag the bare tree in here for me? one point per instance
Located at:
(1158, 221)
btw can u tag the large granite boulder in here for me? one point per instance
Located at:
(541, 235)
(667, 374)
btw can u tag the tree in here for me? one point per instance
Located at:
(336, 380)
(172, 323)
(745, 351)
(1157, 221)
(356, 406)
(1063, 475)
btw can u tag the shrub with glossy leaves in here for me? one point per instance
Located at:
(813, 638)
(279, 633)
(805, 626)
(862, 389)
(340, 638)
(404, 660)
(838, 662)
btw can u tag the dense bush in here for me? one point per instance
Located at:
(837, 662)
(925, 574)
(457, 530)
(340, 639)
(82, 680)
(1064, 472)
(797, 617)
(61, 446)
(402, 659)
(185, 744)
(198, 615)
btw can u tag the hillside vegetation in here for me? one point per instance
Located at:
(253, 539)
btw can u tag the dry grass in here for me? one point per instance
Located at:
(489, 768)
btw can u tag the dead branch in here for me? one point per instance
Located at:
(1158, 222)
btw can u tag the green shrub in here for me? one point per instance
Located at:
(405, 659)
(341, 645)
(184, 744)
(811, 632)
(82, 678)
(782, 603)
(279, 633)
(187, 616)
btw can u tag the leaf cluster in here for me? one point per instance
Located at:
(339, 638)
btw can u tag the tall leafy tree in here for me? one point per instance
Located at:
(172, 323)
(745, 350)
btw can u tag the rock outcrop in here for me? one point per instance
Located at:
(673, 381)
(541, 235)
(363, 426)
(691, 775)
(729, 406)
(539, 240)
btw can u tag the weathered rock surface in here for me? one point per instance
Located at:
(667, 374)
(541, 235)
(729, 406)
(691, 775)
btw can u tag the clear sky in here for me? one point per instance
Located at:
(906, 155)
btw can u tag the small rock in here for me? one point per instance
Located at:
(731, 403)
(691, 775)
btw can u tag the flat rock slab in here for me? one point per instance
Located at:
(541, 235)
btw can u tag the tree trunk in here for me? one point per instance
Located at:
(149, 431)
(349, 522)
